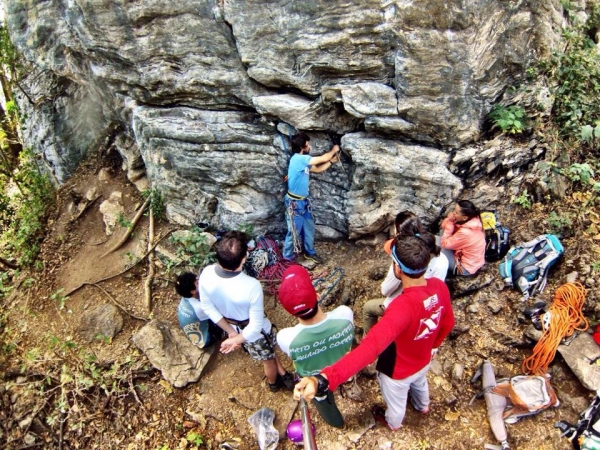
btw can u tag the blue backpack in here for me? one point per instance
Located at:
(526, 266)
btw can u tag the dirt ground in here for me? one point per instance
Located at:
(233, 386)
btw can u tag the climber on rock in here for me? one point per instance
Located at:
(300, 221)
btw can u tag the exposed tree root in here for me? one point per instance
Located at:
(150, 277)
(123, 271)
(127, 234)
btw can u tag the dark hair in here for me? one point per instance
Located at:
(405, 221)
(185, 284)
(299, 141)
(409, 224)
(413, 252)
(468, 208)
(232, 249)
(308, 313)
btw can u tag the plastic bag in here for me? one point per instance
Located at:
(262, 424)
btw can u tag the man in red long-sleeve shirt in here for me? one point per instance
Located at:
(405, 338)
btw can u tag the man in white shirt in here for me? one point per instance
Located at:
(234, 301)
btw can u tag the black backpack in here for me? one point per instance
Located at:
(585, 433)
(497, 237)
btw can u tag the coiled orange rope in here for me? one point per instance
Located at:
(566, 316)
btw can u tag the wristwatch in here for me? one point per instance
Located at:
(322, 385)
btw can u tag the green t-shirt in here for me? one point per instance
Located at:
(313, 347)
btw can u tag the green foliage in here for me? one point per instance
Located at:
(576, 74)
(9, 57)
(59, 298)
(559, 223)
(511, 119)
(194, 438)
(6, 347)
(193, 249)
(24, 211)
(589, 134)
(523, 200)
(157, 203)
(5, 287)
(247, 228)
(132, 259)
(580, 172)
(75, 377)
(123, 221)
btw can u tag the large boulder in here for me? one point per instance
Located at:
(170, 351)
(102, 322)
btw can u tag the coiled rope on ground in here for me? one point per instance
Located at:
(566, 317)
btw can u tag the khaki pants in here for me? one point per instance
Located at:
(372, 311)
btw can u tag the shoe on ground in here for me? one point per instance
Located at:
(379, 415)
(422, 411)
(314, 258)
(285, 382)
(289, 381)
(274, 387)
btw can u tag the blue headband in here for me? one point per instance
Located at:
(404, 269)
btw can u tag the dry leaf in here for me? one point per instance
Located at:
(452, 415)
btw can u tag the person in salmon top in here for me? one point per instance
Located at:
(463, 239)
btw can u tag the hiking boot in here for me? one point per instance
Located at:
(379, 415)
(274, 387)
(314, 258)
(285, 382)
(289, 381)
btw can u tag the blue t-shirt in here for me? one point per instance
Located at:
(298, 175)
(194, 322)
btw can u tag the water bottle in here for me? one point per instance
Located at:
(589, 442)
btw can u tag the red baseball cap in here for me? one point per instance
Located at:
(296, 292)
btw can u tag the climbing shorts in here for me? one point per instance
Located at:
(263, 348)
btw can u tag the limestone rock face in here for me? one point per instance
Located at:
(191, 93)
(390, 176)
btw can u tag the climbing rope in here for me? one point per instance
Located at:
(268, 263)
(295, 239)
(326, 282)
(563, 318)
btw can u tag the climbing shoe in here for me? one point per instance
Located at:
(314, 258)
(535, 314)
(379, 415)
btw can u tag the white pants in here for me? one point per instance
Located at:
(395, 393)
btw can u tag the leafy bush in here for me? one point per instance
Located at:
(157, 203)
(26, 210)
(581, 172)
(559, 223)
(511, 119)
(576, 74)
(522, 200)
(193, 249)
